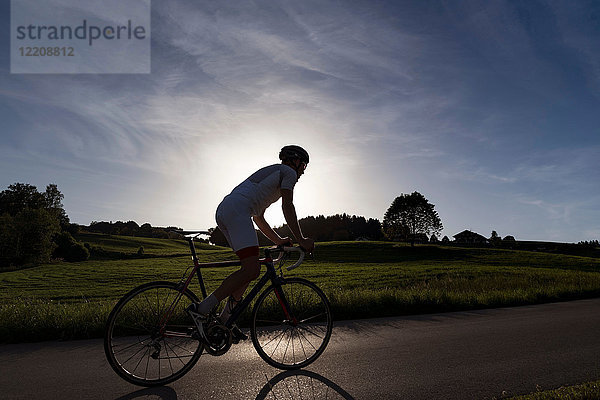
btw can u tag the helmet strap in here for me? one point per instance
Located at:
(293, 164)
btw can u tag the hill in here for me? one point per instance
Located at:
(114, 247)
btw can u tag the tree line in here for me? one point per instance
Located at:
(410, 218)
(131, 228)
(34, 227)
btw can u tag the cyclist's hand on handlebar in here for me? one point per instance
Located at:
(286, 241)
(307, 244)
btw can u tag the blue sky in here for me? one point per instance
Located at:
(490, 109)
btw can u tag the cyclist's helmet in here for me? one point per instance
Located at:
(292, 152)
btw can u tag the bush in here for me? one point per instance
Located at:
(69, 249)
(78, 252)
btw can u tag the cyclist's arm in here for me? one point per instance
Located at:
(289, 212)
(265, 228)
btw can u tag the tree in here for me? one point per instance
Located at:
(495, 240)
(29, 223)
(53, 203)
(53, 196)
(26, 238)
(22, 196)
(19, 197)
(409, 216)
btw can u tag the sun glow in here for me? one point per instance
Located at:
(329, 177)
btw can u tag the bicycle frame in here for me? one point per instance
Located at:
(270, 275)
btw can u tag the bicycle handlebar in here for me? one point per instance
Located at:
(288, 249)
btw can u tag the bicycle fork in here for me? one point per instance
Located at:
(285, 306)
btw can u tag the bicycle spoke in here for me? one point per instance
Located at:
(286, 349)
(302, 346)
(158, 313)
(128, 346)
(141, 358)
(140, 311)
(313, 317)
(275, 338)
(184, 349)
(309, 330)
(147, 363)
(309, 342)
(293, 350)
(282, 336)
(168, 357)
(159, 366)
(167, 307)
(145, 348)
(269, 321)
(179, 358)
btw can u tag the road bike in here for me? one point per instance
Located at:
(153, 337)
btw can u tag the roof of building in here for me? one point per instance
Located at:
(468, 233)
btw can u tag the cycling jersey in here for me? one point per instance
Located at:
(249, 198)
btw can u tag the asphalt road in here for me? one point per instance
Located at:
(466, 355)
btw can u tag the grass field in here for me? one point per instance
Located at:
(584, 391)
(361, 279)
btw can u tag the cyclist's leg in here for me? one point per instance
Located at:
(235, 284)
(236, 224)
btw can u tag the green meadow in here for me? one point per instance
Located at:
(361, 279)
(584, 391)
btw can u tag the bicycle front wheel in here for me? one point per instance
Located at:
(291, 324)
(150, 339)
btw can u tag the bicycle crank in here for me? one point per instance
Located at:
(219, 339)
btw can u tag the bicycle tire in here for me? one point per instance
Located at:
(285, 344)
(133, 344)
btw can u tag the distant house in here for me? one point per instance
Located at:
(468, 237)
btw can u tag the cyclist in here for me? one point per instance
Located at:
(246, 203)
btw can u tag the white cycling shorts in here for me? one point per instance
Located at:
(235, 221)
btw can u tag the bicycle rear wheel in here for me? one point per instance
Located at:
(295, 337)
(149, 338)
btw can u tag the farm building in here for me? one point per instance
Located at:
(468, 237)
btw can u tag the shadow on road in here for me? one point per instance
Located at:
(301, 384)
(161, 393)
